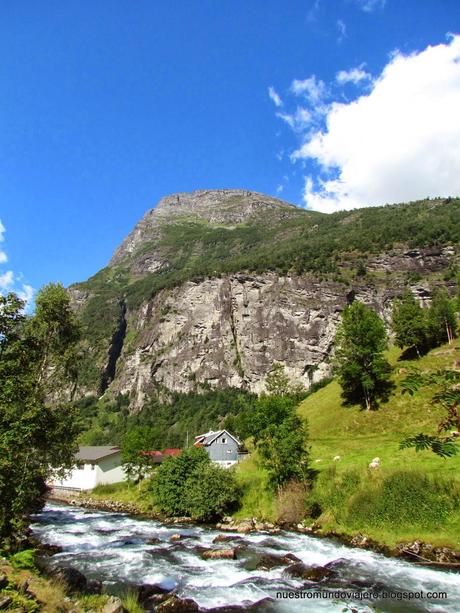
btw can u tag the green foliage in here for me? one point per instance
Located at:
(170, 419)
(443, 447)
(190, 485)
(409, 323)
(265, 412)
(301, 241)
(169, 483)
(445, 387)
(131, 603)
(404, 498)
(442, 322)
(400, 500)
(137, 439)
(283, 449)
(35, 436)
(277, 382)
(211, 493)
(23, 560)
(360, 365)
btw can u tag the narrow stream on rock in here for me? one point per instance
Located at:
(122, 551)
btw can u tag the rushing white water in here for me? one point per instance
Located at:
(115, 549)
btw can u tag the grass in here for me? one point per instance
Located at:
(127, 492)
(358, 436)
(131, 603)
(257, 499)
(46, 595)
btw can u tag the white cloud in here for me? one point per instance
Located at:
(342, 28)
(274, 96)
(9, 282)
(312, 89)
(3, 256)
(354, 75)
(368, 6)
(398, 142)
(279, 188)
(26, 293)
(298, 120)
(6, 280)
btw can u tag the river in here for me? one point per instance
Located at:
(121, 550)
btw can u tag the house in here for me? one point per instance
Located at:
(97, 465)
(222, 447)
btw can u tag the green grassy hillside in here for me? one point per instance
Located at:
(412, 495)
(358, 436)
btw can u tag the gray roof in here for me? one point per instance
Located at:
(209, 437)
(95, 453)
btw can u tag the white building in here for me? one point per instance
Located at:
(95, 466)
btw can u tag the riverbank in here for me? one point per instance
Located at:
(25, 590)
(416, 550)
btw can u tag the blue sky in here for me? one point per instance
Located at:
(108, 105)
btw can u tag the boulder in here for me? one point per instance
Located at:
(177, 605)
(5, 602)
(219, 554)
(245, 526)
(75, 580)
(225, 538)
(310, 573)
(113, 605)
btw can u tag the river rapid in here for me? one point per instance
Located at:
(123, 551)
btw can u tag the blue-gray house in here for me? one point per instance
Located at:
(222, 447)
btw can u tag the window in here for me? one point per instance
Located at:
(229, 451)
(224, 440)
(92, 466)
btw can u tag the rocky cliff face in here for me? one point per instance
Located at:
(227, 331)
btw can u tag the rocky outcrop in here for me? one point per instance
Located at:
(219, 206)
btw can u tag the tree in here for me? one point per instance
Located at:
(266, 411)
(442, 321)
(447, 395)
(169, 484)
(136, 440)
(363, 372)
(284, 452)
(211, 493)
(36, 438)
(277, 382)
(409, 323)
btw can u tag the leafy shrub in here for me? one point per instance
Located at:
(190, 485)
(405, 498)
(291, 508)
(211, 493)
(169, 483)
(24, 560)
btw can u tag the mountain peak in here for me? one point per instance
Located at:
(228, 207)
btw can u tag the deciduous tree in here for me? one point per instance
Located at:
(362, 369)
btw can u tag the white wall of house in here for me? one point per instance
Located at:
(100, 472)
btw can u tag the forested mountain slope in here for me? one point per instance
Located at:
(212, 287)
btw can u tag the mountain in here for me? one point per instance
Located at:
(212, 287)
